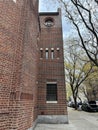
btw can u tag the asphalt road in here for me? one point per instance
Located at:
(78, 120)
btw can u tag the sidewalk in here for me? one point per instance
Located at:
(69, 126)
(78, 120)
(55, 127)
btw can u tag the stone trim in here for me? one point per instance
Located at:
(53, 119)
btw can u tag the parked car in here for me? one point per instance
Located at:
(90, 106)
(71, 104)
(79, 103)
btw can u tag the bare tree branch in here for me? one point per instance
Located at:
(96, 1)
(92, 48)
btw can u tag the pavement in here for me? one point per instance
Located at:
(78, 120)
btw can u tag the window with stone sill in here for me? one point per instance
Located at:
(51, 93)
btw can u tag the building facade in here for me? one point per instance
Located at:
(51, 86)
(26, 77)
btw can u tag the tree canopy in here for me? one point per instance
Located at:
(77, 67)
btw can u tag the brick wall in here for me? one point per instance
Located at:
(51, 70)
(23, 75)
(18, 64)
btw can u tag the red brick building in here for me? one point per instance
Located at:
(23, 78)
(51, 86)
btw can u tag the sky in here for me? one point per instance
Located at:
(49, 7)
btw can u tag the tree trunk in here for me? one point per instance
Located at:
(75, 101)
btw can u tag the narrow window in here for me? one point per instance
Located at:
(51, 92)
(41, 53)
(58, 53)
(47, 54)
(52, 54)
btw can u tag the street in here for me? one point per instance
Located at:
(78, 120)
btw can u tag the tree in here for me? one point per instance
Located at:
(90, 85)
(84, 16)
(69, 92)
(77, 70)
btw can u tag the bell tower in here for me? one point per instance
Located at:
(51, 83)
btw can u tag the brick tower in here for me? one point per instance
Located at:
(51, 83)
